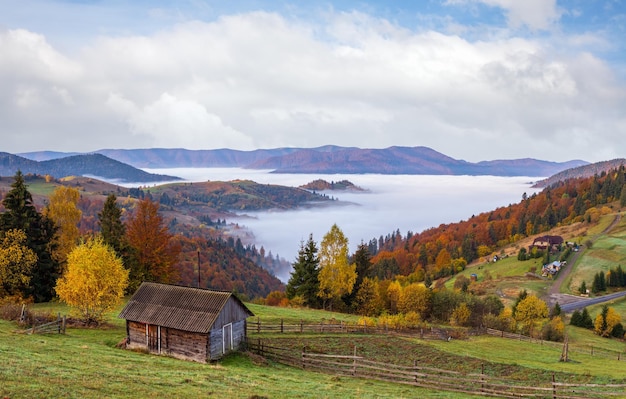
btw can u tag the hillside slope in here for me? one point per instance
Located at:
(79, 165)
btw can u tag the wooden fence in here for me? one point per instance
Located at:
(56, 326)
(338, 328)
(587, 350)
(432, 378)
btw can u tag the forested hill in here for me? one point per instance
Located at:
(581, 172)
(329, 160)
(441, 251)
(323, 185)
(79, 165)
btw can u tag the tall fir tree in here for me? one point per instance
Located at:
(111, 226)
(363, 261)
(113, 232)
(304, 280)
(20, 213)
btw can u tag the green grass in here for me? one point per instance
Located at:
(508, 277)
(607, 252)
(273, 315)
(84, 363)
(533, 356)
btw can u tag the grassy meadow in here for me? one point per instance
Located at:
(608, 251)
(85, 363)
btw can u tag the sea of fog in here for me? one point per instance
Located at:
(391, 202)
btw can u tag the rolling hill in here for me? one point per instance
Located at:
(96, 165)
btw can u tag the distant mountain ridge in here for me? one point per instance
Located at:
(79, 165)
(329, 160)
(581, 172)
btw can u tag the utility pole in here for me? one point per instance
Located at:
(198, 268)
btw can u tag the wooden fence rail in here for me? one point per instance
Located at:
(338, 328)
(587, 350)
(56, 326)
(433, 378)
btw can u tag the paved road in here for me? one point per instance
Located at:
(569, 303)
(583, 303)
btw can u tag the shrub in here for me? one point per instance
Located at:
(554, 330)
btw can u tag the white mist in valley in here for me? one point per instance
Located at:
(390, 202)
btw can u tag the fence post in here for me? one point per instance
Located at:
(354, 362)
(553, 386)
(482, 377)
(59, 323)
(415, 369)
(281, 326)
(303, 357)
(301, 326)
(258, 325)
(23, 314)
(64, 323)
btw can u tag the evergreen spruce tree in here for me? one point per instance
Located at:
(362, 260)
(304, 280)
(520, 297)
(583, 288)
(585, 319)
(111, 226)
(555, 311)
(113, 232)
(576, 319)
(21, 214)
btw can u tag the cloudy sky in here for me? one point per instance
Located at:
(473, 79)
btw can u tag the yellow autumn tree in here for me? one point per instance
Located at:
(94, 280)
(529, 311)
(63, 210)
(16, 263)
(460, 315)
(415, 297)
(605, 321)
(394, 292)
(336, 276)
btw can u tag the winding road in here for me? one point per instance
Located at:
(569, 303)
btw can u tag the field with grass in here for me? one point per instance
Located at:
(85, 363)
(608, 251)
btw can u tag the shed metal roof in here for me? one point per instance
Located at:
(183, 308)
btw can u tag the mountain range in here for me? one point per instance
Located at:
(324, 160)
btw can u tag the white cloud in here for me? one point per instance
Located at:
(173, 122)
(258, 79)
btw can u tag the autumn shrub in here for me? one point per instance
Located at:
(460, 315)
(10, 311)
(412, 319)
(554, 330)
(274, 298)
(366, 321)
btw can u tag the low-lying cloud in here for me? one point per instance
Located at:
(392, 202)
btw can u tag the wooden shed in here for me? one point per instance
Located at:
(187, 323)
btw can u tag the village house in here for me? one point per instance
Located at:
(552, 268)
(183, 322)
(551, 243)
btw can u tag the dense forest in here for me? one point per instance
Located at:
(439, 251)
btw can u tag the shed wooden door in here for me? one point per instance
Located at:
(153, 338)
(227, 336)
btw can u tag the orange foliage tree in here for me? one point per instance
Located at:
(156, 251)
